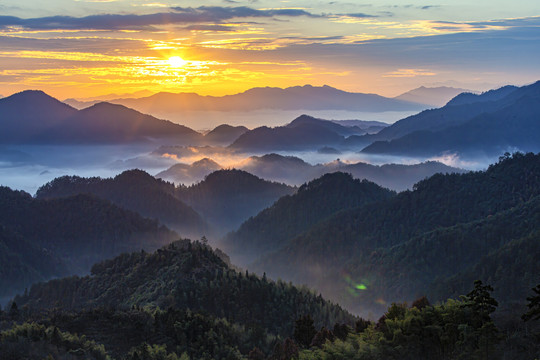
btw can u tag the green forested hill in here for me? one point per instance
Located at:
(396, 248)
(41, 239)
(135, 190)
(186, 275)
(293, 214)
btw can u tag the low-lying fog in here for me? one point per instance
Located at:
(28, 167)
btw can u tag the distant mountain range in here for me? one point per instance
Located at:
(433, 96)
(485, 124)
(490, 123)
(186, 174)
(295, 171)
(292, 98)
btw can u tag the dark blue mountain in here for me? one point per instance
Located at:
(31, 117)
(509, 123)
(305, 132)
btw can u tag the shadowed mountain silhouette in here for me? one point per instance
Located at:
(305, 132)
(35, 117)
(296, 213)
(26, 115)
(224, 134)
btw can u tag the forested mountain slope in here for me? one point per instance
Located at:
(396, 247)
(293, 214)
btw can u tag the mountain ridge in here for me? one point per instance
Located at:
(305, 97)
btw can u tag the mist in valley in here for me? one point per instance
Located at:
(28, 167)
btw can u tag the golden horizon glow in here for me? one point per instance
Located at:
(386, 48)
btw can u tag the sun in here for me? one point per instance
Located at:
(176, 62)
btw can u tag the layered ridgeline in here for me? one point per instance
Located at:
(40, 239)
(220, 202)
(294, 214)
(181, 276)
(32, 116)
(417, 241)
(295, 171)
(134, 190)
(226, 198)
(490, 123)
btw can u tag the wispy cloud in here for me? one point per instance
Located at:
(178, 15)
(359, 15)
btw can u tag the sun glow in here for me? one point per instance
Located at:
(176, 62)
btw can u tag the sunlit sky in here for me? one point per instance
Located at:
(89, 48)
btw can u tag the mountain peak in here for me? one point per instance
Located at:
(205, 162)
(107, 106)
(34, 97)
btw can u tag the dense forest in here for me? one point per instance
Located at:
(461, 328)
(212, 310)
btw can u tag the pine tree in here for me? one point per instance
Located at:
(485, 332)
(304, 330)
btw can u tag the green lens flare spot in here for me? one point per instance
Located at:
(361, 287)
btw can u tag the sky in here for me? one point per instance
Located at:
(91, 48)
